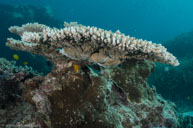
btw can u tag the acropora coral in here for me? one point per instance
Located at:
(73, 95)
(92, 44)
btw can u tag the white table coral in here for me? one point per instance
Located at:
(88, 44)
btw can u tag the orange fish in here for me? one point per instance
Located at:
(76, 67)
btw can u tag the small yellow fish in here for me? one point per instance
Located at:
(76, 67)
(25, 63)
(15, 56)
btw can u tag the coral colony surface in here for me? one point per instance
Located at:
(98, 79)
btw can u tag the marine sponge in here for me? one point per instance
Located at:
(90, 44)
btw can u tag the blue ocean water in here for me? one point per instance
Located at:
(156, 20)
(169, 22)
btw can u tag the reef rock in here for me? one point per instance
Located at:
(112, 98)
(14, 110)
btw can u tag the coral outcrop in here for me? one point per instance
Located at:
(80, 92)
(120, 99)
(14, 110)
(10, 79)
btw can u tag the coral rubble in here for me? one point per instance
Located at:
(80, 94)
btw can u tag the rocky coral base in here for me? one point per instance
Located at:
(14, 110)
(88, 97)
(106, 98)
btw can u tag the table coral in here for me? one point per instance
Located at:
(116, 97)
(88, 43)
